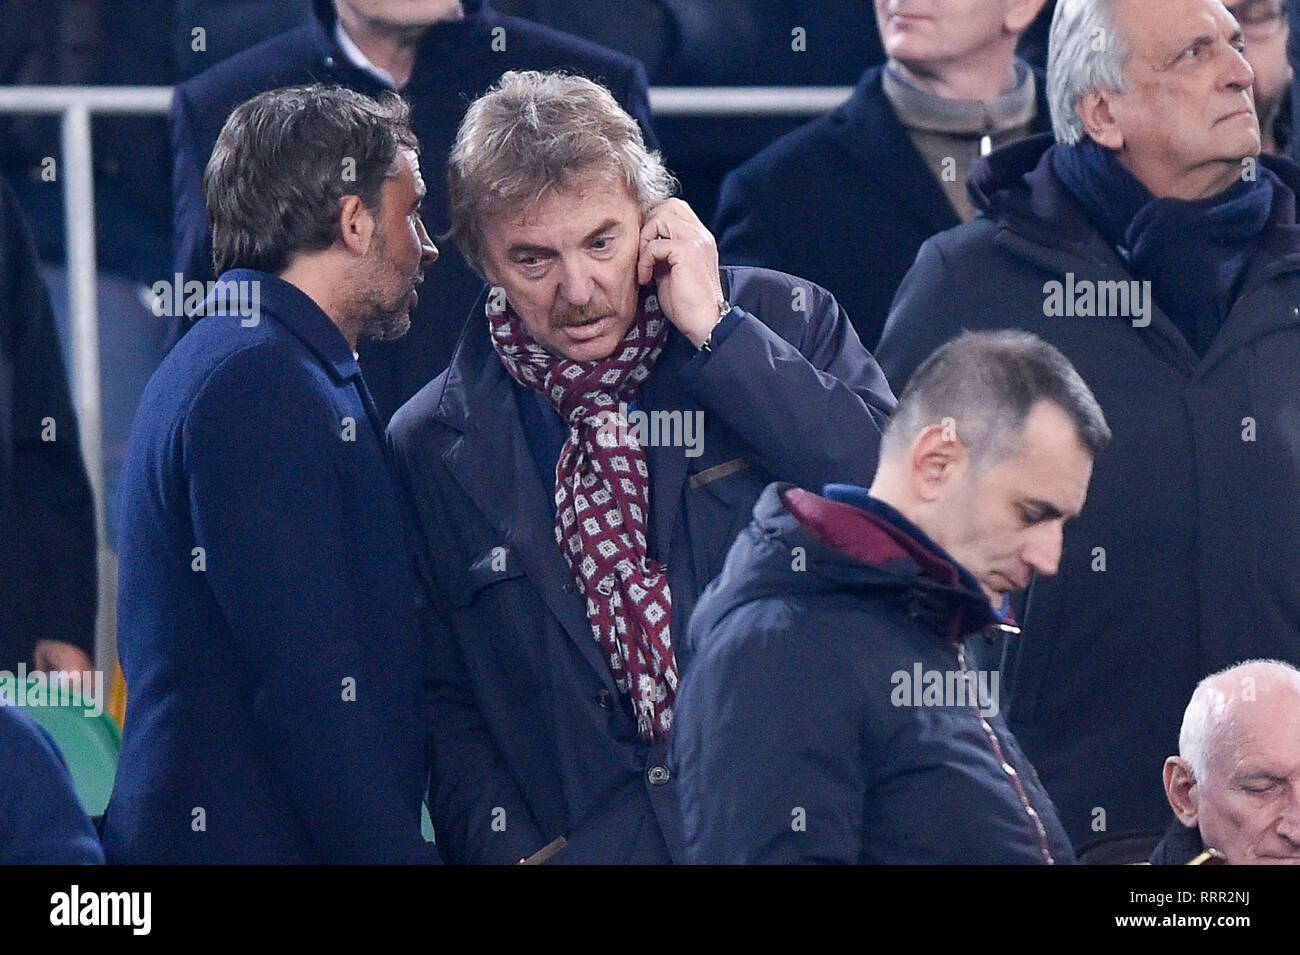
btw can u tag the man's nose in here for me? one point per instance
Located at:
(1043, 550)
(576, 283)
(428, 251)
(1239, 75)
(1288, 825)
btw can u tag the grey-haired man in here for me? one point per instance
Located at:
(1155, 246)
(614, 408)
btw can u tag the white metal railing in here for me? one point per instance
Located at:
(76, 105)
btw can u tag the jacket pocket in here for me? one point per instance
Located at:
(493, 566)
(720, 504)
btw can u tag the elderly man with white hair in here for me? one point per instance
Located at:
(1153, 244)
(1235, 783)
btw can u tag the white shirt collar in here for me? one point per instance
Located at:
(359, 59)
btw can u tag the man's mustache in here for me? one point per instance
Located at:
(587, 315)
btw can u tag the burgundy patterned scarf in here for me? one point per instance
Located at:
(602, 498)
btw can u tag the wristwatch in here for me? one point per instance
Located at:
(723, 308)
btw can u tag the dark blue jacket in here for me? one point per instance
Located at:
(456, 63)
(266, 608)
(47, 527)
(532, 739)
(1184, 560)
(41, 821)
(845, 201)
(797, 740)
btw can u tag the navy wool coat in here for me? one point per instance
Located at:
(532, 739)
(267, 610)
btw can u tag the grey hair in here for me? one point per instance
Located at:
(533, 132)
(1085, 53)
(285, 159)
(987, 383)
(1203, 720)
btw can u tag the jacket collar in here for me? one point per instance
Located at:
(867, 128)
(1039, 220)
(293, 309)
(943, 594)
(440, 42)
(1179, 846)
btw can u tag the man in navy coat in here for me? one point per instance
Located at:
(267, 610)
(440, 54)
(614, 408)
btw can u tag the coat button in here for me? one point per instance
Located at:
(658, 775)
(329, 62)
(603, 699)
(567, 588)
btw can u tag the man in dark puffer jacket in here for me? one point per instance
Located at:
(829, 712)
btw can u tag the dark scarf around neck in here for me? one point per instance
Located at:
(1194, 253)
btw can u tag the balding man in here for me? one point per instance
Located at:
(1235, 783)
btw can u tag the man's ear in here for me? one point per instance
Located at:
(1021, 13)
(1099, 120)
(938, 458)
(1180, 787)
(356, 225)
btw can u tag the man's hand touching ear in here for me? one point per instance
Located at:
(680, 253)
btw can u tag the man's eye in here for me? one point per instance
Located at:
(602, 243)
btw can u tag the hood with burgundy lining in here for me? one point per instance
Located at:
(801, 545)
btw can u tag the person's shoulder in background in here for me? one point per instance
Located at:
(41, 821)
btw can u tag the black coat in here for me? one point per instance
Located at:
(845, 201)
(531, 737)
(1183, 560)
(798, 737)
(47, 530)
(1179, 846)
(456, 63)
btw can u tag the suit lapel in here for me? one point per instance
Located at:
(492, 463)
(871, 131)
(663, 392)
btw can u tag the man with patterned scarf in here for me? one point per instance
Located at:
(579, 471)
(1160, 252)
